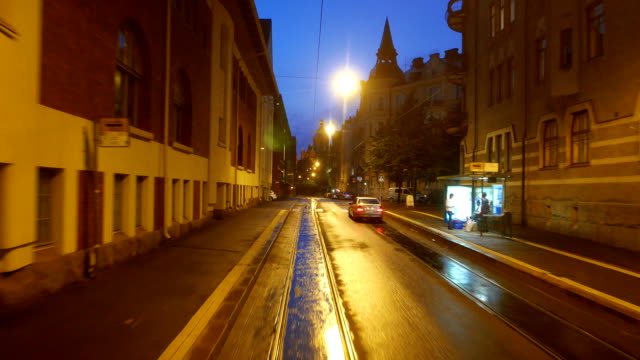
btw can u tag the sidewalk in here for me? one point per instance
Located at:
(607, 275)
(135, 309)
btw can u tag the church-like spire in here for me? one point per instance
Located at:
(386, 65)
(386, 50)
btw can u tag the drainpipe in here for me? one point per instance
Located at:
(523, 205)
(167, 92)
(475, 100)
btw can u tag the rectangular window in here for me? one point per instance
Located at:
(499, 157)
(492, 20)
(490, 149)
(595, 29)
(508, 152)
(511, 77)
(502, 14)
(566, 49)
(205, 197)
(222, 131)
(512, 11)
(491, 86)
(541, 55)
(46, 206)
(176, 200)
(224, 45)
(118, 187)
(140, 181)
(185, 193)
(499, 84)
(550, 144)
(580, 138)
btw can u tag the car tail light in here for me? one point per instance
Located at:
(379, 209)
(359, 209)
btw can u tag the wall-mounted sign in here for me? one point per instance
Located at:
(491, 167)
(113, 132)
(476, 166)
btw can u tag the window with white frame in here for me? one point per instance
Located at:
(550, 143)
(580, 138)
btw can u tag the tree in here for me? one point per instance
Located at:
(411, 147)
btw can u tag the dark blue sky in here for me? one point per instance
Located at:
(351, 33)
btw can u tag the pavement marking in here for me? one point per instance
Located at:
(568, 254)
(620, 305)
(181, 345)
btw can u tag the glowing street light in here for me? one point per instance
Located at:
(330, 129)
(345, 83)
(317, 163)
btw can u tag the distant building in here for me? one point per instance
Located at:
(552, 97)
(197, 90)
(388, 95)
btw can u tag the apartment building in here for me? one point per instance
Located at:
(388, 95)
(124, 123)
(551, 96)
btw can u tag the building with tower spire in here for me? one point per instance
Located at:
(388, 94)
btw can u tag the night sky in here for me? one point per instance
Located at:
(351, 34)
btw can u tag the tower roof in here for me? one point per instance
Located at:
(386, 65)
(386, 50)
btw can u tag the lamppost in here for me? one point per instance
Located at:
(345, 84)
(330, 130)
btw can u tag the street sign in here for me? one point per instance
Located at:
(381, 178)
(114, 132)
(359, 178)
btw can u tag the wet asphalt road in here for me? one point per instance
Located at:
(399, 308)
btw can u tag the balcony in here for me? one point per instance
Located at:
(455, 67)
(455, 15)
(456, 123)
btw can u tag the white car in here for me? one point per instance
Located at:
(273, 196)
(366, 208)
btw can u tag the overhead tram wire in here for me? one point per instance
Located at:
(315, 90)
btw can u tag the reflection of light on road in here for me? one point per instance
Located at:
(333, 342)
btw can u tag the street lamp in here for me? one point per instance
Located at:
(345, 84)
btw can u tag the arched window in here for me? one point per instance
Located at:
(128, 76)
(182, 109)
(550, 143)
(240, 147)
(580, 138)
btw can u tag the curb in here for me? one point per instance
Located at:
(594, 295)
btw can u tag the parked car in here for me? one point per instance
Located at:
(345, 196)
(328, 195)
(392, 195)
(366, 208)
(273, 196)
